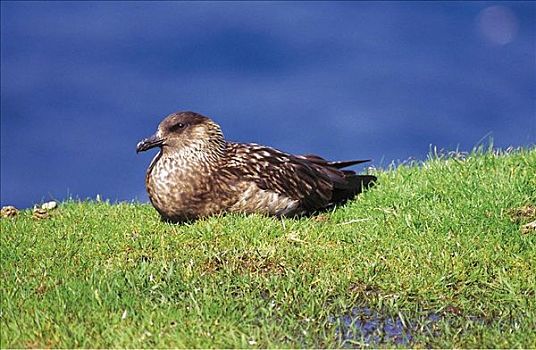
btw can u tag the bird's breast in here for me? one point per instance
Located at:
(174, 187)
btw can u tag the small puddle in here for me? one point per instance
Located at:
(365, 326)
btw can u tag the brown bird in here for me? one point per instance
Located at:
(198, 173)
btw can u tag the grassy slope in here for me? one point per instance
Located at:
(433, 237)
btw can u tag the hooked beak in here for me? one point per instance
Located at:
(148, 143)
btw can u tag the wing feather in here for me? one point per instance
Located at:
(313, 181)
(280, 172)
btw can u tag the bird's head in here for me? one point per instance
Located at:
(184, 130)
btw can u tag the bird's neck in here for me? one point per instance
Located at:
(197, 153)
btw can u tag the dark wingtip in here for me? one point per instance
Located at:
(347, 163)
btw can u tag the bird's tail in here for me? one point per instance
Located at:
(313, 158)
(347, 163)
(346, 183)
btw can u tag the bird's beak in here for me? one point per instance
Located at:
(149, 143)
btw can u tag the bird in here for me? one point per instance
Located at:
(198, 173)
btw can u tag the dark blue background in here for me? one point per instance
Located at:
(82, 82)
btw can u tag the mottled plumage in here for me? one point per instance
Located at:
(197, 173)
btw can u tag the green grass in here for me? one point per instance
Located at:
(433, 237)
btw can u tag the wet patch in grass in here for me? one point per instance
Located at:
(364, 326)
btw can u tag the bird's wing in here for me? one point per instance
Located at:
(288, 175)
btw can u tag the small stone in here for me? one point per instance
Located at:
(39, 214)
(528, 228)
(526, 212)
(9, 211)
(321, 218)
(49, 205)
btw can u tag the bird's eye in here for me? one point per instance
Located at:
(178, 126)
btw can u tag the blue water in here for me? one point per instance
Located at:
(365, 326)
(83, 82)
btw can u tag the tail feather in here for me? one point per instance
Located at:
(344, 164)
(313, 158)
(346, 183)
